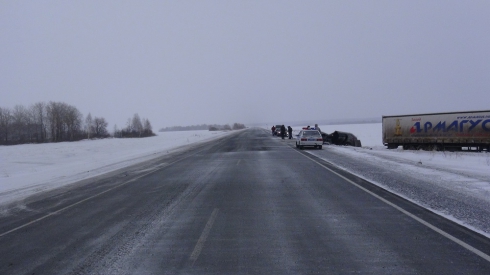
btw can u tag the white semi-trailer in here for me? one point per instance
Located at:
(438, 131)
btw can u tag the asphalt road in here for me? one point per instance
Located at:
(248, 203)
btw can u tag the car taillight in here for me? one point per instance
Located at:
(303, 139)
(319, 139)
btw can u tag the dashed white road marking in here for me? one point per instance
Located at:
(204, 235)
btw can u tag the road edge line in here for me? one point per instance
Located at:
(434, 228)
(91, 197)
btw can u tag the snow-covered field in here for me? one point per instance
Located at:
(31, 168)
(456, 185)
(467, 163)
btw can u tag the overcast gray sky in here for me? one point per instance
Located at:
(193, 62)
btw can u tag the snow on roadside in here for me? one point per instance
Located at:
(459, 179)
(470, 164)
(463, 197)
(453, 184)
(31, 168)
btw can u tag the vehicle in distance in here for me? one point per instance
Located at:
(438, 131)
(278, 131)
(310, 138)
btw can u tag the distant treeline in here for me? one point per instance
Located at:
(212, 127)
(57, 122)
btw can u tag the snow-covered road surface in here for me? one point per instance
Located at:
(246, 203)
(456, 185)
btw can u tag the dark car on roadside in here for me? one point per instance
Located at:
(341, 138)
(327, 138)
(278, 131)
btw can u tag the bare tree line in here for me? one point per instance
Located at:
(226, 127)
(135, 127)
(212, 127)
(56, 122)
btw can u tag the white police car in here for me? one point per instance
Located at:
(311, 138)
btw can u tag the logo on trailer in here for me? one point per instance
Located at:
(398, 128)
(455, 126)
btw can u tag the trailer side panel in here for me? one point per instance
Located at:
(444, 129)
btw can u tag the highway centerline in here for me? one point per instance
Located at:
(204, 235)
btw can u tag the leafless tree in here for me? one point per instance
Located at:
(238, 126)
(65, 121)
(19, 126)
(137, 125)
(5, 124)
(41, 122)
(129, 126)
(55, 120)
(147, 128)
(73, 121)
(89, 125)
(100, 127)
(38, 112)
